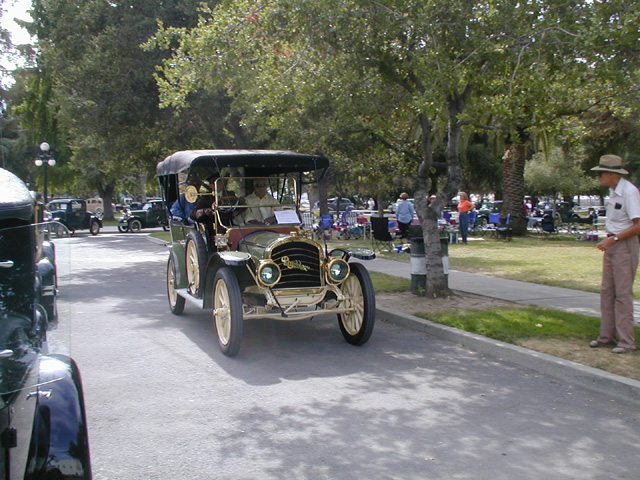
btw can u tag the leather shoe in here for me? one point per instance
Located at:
(598, 343)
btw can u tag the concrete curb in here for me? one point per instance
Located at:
(588, 377)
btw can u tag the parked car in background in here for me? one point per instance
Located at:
(73, 214)
(346, 205)
(95, 205)
(151, 215)
(42, 418)
(245, 264)
(488, 208)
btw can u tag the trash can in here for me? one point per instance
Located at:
(444, 253)
(419, 263)
(418, 266)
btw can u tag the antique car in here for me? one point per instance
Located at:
(151, 215)
(43, 430)
(73, 214)
(225, 258)
(95, 205)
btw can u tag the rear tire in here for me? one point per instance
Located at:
(357, 325)
(196, 262)
(227, 311)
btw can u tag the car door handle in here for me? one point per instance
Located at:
(6, 353)
(6, 263)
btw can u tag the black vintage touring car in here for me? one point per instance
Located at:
(238, 249)
(43, 430)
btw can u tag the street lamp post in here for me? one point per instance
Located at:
(45, 160)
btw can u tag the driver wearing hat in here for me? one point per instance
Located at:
(621, 250)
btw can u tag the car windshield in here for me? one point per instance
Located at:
(54, 207)
(26, 327)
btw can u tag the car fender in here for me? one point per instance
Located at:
(234, 259)
(177, 255)
(60, 422)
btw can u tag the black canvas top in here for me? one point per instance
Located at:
(274, 161)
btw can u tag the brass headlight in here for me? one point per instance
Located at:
(268, 273)
(337, 270)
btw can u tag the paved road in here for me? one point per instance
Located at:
(298, 402)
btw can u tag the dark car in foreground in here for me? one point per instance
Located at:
(73, 214)
(269, 269)
(43, 429)
(151, 215)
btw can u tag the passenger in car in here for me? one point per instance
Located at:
(261, 205)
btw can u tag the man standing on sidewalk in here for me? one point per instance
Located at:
(621, 249)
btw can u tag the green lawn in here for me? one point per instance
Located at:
(558, 261)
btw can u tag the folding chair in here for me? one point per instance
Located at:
(325, 226)
(473, 217)
(492, 224)
(504, 231)
(350, 227)
(308, 221)
(380, 236)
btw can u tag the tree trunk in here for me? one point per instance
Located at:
(513, 188)
(106, 193)
(428, 213)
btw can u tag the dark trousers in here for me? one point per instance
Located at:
(404, 229)
(463, 218)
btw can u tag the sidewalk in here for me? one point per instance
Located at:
(526, 294)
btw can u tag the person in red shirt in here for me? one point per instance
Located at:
(464, 207)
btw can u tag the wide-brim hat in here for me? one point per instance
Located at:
(610, 163)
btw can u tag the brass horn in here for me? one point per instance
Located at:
(191, 194)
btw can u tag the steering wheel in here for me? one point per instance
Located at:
(228, 205)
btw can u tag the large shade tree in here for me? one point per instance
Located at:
(104, 94)
(404, 72)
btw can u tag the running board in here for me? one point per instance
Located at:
(191, 300)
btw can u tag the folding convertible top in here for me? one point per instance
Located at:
(277, 161)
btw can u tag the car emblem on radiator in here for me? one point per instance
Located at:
(291, 264)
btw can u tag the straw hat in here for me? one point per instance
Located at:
(610, 163)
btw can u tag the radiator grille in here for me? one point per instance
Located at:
(289, 257)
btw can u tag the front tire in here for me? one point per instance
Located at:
(176, 302)
(227, 311)
(356, 326)
(94, 228)
(123, 227)
(135, 226)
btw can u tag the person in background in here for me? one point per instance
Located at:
(464, 207)
(621, 250)
(404, 214)
(371, 204)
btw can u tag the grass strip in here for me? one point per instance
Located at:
(512, 325)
